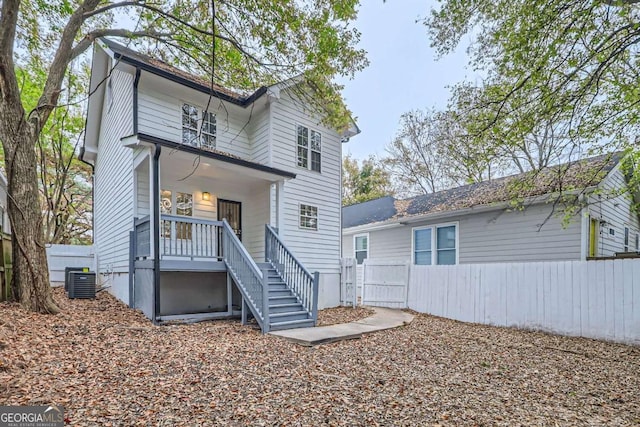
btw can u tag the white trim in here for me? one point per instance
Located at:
(434, 242)
(317, 217)
(355, 236)
(309, 150)
(584, 233)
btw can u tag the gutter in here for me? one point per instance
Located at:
(189, 83)
(156, 233)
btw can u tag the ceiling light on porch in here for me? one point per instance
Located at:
(206, 196)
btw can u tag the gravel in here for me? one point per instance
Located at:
(109, 366)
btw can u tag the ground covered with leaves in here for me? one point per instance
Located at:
(109, 366)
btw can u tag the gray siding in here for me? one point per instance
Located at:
(497, 236)
(113, 196)
(617, 214)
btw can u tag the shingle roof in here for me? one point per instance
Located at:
(574, 175)
(169, 71)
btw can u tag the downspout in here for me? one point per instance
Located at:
(136, 81)
(93, 182)
(156, 233)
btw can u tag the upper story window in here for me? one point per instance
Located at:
(195, 135)
(361, 246)
(309, 217)
(309, 148)
(435, 245)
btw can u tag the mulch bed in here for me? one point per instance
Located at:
(109, 366)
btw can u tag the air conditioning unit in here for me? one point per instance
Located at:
(68, 270)
(82, 284)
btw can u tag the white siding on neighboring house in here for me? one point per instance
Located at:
(160, 114)
(317, 250)
(113, 203)
(616, 213)
(497, 236)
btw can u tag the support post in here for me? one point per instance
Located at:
(314, 306)
(132, 263)
(229, 295)
(354, 281)
(243, 314)
(265, 301)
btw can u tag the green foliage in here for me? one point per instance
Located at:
(572, 63)
(364, 182)
(64, 181)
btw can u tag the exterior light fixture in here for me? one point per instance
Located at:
(206, 196)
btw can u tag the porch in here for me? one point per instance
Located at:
(213, 251)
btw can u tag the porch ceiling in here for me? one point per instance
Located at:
(178, 165)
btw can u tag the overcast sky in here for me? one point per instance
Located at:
(403, 74)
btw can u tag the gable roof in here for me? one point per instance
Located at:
(177, 75)
(573, 175)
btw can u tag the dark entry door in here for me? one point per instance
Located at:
(232, 212)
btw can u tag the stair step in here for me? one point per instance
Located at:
(279, 292)
(285, 308)
(277, 286)
(291, 324)
(287, 316)
(282, 299)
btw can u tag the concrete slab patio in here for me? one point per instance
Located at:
(383, 318)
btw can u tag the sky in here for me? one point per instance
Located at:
(403, 73)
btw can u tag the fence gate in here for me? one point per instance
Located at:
(385, 283)
(348, 282)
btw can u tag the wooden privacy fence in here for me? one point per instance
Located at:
(595, 299)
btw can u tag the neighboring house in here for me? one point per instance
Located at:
(181, 157)
(476, 223)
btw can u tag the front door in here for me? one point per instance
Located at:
(232, 212)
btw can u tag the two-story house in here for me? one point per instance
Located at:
(209, 203)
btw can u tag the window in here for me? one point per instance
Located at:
(183, 206)
(637, 242)
(208, 130)
(309, 146)
(189, 125)
(435, 245)
(309, 217)
(204, 137)
(361, 248)
(626, 239)
(422, 246)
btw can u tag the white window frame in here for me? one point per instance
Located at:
(208, 139)
(434, 241)
(203, 133)
(317, 217)
(355, 246)
(308, 148)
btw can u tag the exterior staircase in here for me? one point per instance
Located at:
(280, 293)
(285, 309)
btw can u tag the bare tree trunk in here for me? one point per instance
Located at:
(30, 281)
